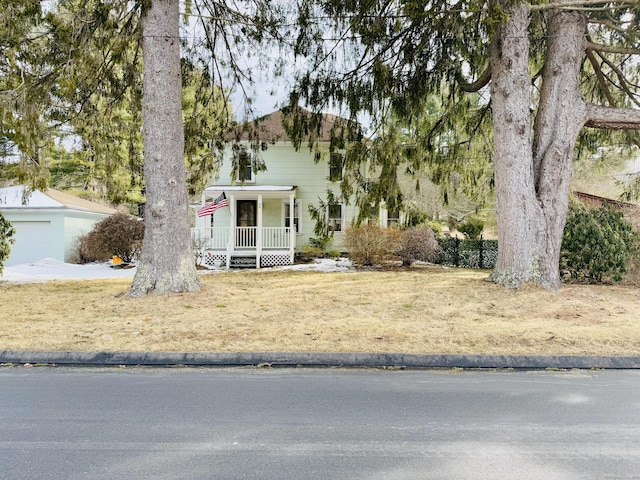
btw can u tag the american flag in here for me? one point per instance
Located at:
(209, 208)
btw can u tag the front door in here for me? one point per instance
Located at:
(246, 220)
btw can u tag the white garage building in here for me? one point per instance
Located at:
(48, 224)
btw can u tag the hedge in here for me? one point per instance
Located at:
(468, 253)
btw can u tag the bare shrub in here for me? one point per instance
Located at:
(369, 244)
(417, 243)
(120, 234)
(91, 248)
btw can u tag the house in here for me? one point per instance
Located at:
(47, 223)
(268, 219)
(595, 201)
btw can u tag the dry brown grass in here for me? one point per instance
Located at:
(420, 310)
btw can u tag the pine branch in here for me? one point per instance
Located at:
(481, 82)
(600, 77)
(624, 84)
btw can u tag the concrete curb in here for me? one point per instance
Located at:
(313, 359)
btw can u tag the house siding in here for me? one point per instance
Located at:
(76, 225)
(62, 234)
(48, 224)
(286, 166)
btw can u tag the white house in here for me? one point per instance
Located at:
(267, 218)
(48, 224)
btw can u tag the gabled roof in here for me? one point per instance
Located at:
(595, 200)
(250, 188)
(270, 128)
(14, 198)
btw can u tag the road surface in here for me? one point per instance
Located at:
(302, 424)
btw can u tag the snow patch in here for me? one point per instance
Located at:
(49, 269)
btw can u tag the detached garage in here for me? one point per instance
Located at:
(48, 224)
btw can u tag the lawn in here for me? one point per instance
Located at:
(426, 309)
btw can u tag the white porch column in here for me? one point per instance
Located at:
(259, 232)
(201, 223)
(232, 230)
(292, 227)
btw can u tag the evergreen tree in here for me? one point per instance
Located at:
(7, 233)
(75, 69)
(540, 71)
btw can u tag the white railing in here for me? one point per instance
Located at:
(246, 237)
(276, 237)
(217, 238)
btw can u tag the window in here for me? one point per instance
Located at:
(393, 218)
(296, 215)
(245, 168)
(336, 165)
(372, 219)
(335, 217)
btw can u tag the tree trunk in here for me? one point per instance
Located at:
(561, 115)
(520, 227)
(167, 263)
(532, 179)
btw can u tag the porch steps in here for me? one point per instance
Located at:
(243, 261)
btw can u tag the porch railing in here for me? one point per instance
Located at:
(276, 237)
(246, 237)
(217, 238)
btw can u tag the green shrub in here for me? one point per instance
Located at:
(369, 244)
(7, 233)
(436, 227)
(308, 252)
(120, 234)
(321, 243)
(472, 229)
(417, 243)
(414, 216)
(596, 244)
(316, 248)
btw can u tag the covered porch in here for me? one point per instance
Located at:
(256, 230)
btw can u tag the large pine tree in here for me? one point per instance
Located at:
(167, 262)
(544, 71)
(74, 67)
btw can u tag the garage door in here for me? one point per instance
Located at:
(32, 242)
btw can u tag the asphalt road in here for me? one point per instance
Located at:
(317, 424)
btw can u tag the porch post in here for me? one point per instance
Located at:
(259, 232)
(232, 231)
(203, 199)
(292, 226)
